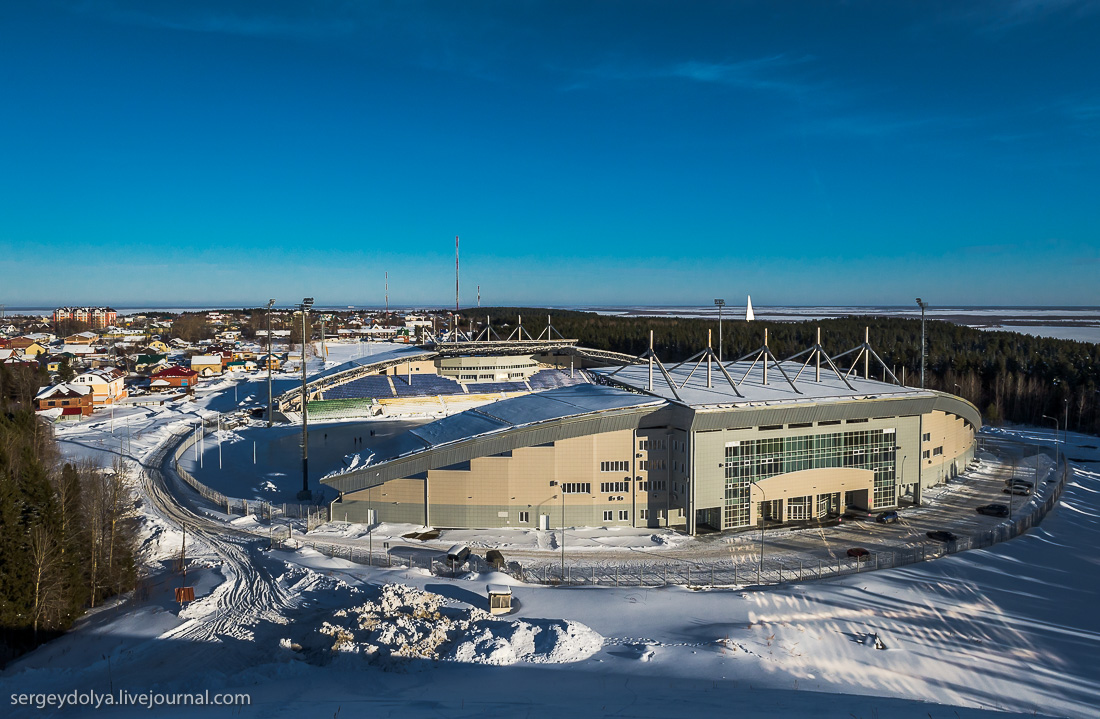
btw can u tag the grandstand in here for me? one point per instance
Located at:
(425, 385)
(371, 386)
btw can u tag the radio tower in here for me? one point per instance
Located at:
(456, 273)
(387, 296)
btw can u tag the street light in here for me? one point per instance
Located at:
(305, 494)
(270, 304)
(923, 306)
(760, 566)
(1056, 428)
(720, 304)
(554, 483)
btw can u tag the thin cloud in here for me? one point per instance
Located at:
(763, 73)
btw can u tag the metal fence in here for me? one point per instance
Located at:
(746, 572)
(314, 515)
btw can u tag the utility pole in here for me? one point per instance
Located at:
(270, 303)
(923, 306)
(305, 494)
(456, 274)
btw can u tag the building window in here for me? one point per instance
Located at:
(624, 515)
(750, 461)
(937, 451)
(643, 444)
(525, 516)
(623, 486)
(614, 466)
(608, 515)
(576, 487)
(643, 514)
(927, 454)
(926, 437)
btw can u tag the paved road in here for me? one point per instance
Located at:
(948, 507)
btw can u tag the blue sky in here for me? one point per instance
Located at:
(586, 152)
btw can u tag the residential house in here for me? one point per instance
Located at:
(271, 361)
(241, 366)
(81, 338)
(207, 365)
(30, 347)
(158, 347)
(150, 362)
(75, 400)
(174, 376)
(108, 385)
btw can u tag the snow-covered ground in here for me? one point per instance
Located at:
(1011, 628)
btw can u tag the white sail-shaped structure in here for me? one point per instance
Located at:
(749, 316)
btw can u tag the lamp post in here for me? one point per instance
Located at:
(720, 304)
(760, 566)
(305, 494)
(1057, 452)
(923, 306)
(270, 303)
(561, 491)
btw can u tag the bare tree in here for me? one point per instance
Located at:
(45, 575)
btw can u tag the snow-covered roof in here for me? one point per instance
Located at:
(552, 404)
(206, 359)
(63, 389)
(750, 383)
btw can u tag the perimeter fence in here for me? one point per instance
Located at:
(314, 514)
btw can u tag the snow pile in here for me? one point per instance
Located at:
(408, 623)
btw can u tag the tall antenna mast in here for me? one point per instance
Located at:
(456, 273)
(387, 295)
(478, 296)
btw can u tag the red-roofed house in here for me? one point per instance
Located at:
(174, 377)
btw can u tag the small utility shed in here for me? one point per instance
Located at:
(500, 599)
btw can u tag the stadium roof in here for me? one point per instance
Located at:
(690, 382)
(523, 421)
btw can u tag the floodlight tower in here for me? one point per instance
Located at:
(720, 304)
(305, 494)
(270, 304)
(923, 306)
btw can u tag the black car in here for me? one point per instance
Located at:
(859, 554)
(992, 510)
(887, 517)
(941, 535)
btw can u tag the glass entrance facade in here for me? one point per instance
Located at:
(750, 461)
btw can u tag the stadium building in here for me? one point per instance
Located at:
(702, 444)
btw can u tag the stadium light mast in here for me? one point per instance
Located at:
(923, 306)
(720, 304)
(305, 494)
(270, 304)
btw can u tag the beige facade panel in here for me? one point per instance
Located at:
(495, 443)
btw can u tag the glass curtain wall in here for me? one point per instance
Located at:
(750, 461)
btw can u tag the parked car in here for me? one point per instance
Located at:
(942, 535)
(887, 517)
(858, 553)
(1020, 482)
(1017, 489)
(993, 510)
